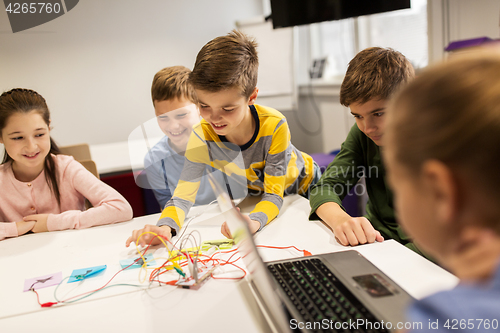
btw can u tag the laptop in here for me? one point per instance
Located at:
(333, 292)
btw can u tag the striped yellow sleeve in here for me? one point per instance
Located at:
(197, 150)
(275, 182)
(275, 171)
(175, 213)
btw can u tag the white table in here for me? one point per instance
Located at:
(217, 306)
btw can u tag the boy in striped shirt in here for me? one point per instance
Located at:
(249, 143)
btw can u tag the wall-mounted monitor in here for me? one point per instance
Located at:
(287, 13)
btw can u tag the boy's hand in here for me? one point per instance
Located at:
(355, 231)
(164, 231)
(23, 227)
(41, 222)
(348, 230)
(252, 224)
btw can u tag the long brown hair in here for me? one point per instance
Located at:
(25, 101)
(451, 113)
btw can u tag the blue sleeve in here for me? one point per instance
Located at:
(158, 182)
(463, 309)
(162, 196)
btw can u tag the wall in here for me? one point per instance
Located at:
(470, 19)
(94, 65)
(451, 20)
(321, 123)
(97, 62)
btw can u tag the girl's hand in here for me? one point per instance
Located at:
(252, 224)
(41, 222)
(23, 227)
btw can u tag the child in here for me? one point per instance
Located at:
(372, 76)
(41, 190)
(250, 143)
(173, 100)
(442, 154)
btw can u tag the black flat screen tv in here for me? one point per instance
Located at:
(287, 13)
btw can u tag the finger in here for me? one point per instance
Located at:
(379, 237)
(135, 236)
(228, 233)
(146, 236)
(338, 240)
(357, 231)
(145, 239)
(30, 218)
(369, 231)
(132, 238)
(341, 237)
(351, 237)
(225, 230)
(128, 241)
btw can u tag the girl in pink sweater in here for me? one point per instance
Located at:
(41, 190)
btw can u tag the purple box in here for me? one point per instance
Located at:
(465, 43)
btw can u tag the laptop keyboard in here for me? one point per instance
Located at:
(319, 296)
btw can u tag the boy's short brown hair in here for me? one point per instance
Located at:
(172, 82)
(374, 73)
(227, 62)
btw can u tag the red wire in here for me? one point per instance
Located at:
(236, 278)
(227, 262)
(156, 272)
(279, 247)
(49, 304)
(306, 253)
(44, 305)
(263, 246)
(93, 291)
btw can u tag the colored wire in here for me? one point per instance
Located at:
(43, 305)
(305, 252)
(191, 219)
(181, 259)
(86, 294)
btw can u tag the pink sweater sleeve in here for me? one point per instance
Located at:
(109, 205)
(8, 229)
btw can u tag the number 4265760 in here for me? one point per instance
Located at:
(471, 324)
(40, 7)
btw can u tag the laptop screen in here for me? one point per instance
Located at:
(258, 276)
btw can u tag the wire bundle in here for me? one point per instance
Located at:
(179, 257)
